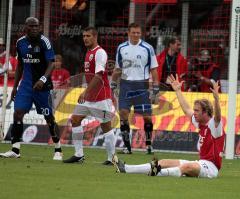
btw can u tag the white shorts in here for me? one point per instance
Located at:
(208, 169)
(103, 111)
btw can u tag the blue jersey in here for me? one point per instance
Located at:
(136, 61)
(35, 56)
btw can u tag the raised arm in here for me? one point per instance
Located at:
(217, 109)
(176, 85)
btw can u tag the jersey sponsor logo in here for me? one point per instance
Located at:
(139, 57)
(129, 63)
(87, 66)
(30, 59)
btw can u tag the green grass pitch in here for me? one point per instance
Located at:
(35, 175)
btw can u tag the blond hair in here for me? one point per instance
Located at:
(206, 106)
(59, 57)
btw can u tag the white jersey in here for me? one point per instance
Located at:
(136, 60)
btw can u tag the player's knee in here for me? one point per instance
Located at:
(189, 169)
(124, 126)
(124, 114)
(18, 116)
(76, 120)
(148, 127)
(49, 119)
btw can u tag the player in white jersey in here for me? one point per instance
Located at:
(135, 61)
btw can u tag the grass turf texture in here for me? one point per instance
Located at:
(35, 175)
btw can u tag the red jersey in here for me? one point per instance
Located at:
(95, 62)
(211, 141)
(181, 65)
(60, 77)
(13, 62)
(208, 73)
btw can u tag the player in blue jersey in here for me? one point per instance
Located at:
(135, 62)
(35, 56)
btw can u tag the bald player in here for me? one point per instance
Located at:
(35, 57)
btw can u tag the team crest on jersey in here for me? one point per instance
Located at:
(91, 57)
(36, 49)
(138, 56)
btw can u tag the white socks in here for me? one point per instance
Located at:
(145, 168)
(141, 168)
(57, 145)
(77, 136)
(110, 144)
(174, 171)
(16, 145)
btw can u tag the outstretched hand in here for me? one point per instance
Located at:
(215, 89)
(174, 82)
(82, 97)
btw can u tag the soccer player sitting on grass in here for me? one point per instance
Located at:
(211, 141)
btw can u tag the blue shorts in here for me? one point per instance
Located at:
(136, 94)
(26, 97)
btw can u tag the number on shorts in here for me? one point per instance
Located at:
(104, 114)
(205, 166)
(45, 111)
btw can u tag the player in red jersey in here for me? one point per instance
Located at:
(13, 62)
(95, 100)
(211, 141)
(60, 76)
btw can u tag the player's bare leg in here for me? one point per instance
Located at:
(190, 169)
(171, 167)
(167, 163)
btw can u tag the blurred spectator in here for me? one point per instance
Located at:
(171, 61)
(204, 72)
(12, 64)
(60, 76)
(74, 4)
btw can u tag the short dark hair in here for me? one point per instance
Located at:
(172, 40)
(133, 25)
(92, 29)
